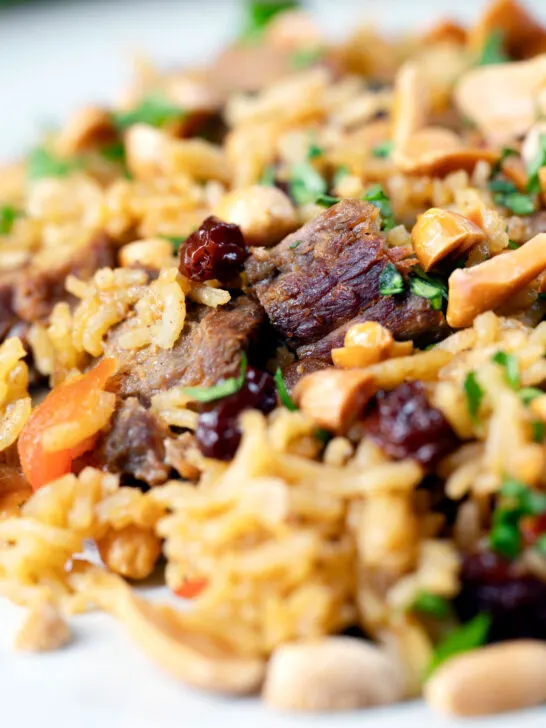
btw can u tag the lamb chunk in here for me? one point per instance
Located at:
(134, 445)
(208, 350)
(325, 276)
(299, 369)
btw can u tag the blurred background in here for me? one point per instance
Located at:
(56, 55)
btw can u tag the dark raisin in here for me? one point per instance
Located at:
(517, 604)
(405, 425)
(218, 433)
(215, 250)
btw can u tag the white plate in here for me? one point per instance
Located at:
(53, 58)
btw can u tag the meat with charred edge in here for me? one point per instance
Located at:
(216, 250)
(325, 276)
(405, 425)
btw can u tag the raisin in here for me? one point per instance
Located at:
(218, 434)
(405, 425)
(516, 603)
(216, 250)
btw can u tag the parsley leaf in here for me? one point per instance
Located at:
(259, 13)
(537, 427)
(314, 151)
(327, 200)
(306, 184)
(516, 501)
(383, 150)
(493, 49)
(506, 194)
(511, 367)
(114, 152)
(466, 637)
(391, 281)
(305, 57)
(432, 604)
(223, 389)
(539, 161)
(293, 246)
(153, 110)
(41, 163)
(430, 287)
(8, 215)
(528, 394)
(512, 245)
(376, 195)
(285, 398)
(474, 395)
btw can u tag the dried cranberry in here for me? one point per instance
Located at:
(405, 425)
(215, 250)
(516, 604)
(218, 433)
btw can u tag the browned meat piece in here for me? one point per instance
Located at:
(30, 293)
(299, 369)
(134, 445)
(208, 350)
(325, 276)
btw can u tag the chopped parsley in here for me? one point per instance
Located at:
(432, 604)
(493, 49)
(341, 172)
(259, 13)
(528, 394)
(8, 215)
(306, 57)
(376, 195)
(511, 367)
(506, 194)
(512, 245)
(175, 241)
(285, 398)
(268, 176)
(383, 150)
(42, 163)
(293, 246)
(537, 428)
(223, 389)
(467, 637)
(153, 110)
(323, 435)
(391, 281)
(306, 184)
(430, 287)
(539, 161)
(314, 151)
(327, 200)
(474, 395)
(516, 502)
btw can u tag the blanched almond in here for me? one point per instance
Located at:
(502, 99)
(410, 106)
(333, 398)
(370, 335)
(485, 286)
(88, 126)
(438, 233)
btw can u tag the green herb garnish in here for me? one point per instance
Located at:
(306, 57)
(539, 161)
(537, 427)
(314, 151)
(493, 50)
(268, 176)
(474, 395)
(259, 13)
(512, 245)
(8, 215)
(41, 163)
(153, 110)
(466, 637)
(528, 394)
(285, 398)
(430, 287)
(383, 150)
(432, 604)
(306, 184)
(293, 246)
(327, 200)
(516, 501)
(376, 195)
(223, 389)
(323, 435)
(505, 153)
(391, 281)
(511, 367)
(506, 194)
(114, 152)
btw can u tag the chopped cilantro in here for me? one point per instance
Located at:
(153, 110)
(341, 172)
(516, 501)
(493, 49)
(539, 161)
(293, 246)
(259, 14)
(391, 281)
(114, 152)
(474, 395)
(432, 604)
(506, 194)
(383, 150)
(223, 389)
(305, 57)
(327, 200)
(306, 184)
(466, 637)
(512, 245)
(314, 151)
(268, 176)
(430, 287)
(537, 427)
(285, 398)
(8, 215)
(376, 195)
(528, 394)
(511, 367)
(175, 241)
(42, 163)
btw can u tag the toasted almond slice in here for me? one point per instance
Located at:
(438, 233)
(410, 105)
(334, 397)
(88, 126)
(502, 99)
(531, 144)
(485, 286)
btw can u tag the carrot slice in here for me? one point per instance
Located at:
(81, 408)
(191, 588)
